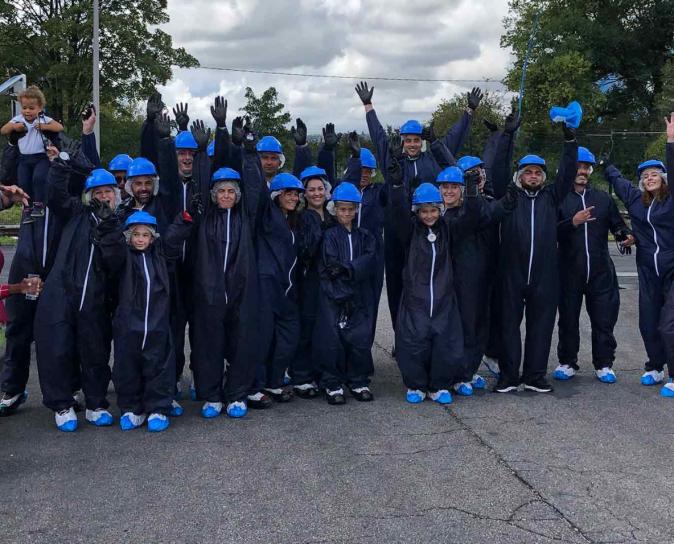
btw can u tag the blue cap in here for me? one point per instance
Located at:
(653, 163)
(119, 163)
(140, 167)
(269, 144)
(347, 192)
(225, 174)
(313, 172)
(451, 174)
(411, 127)
(367, 159)
(99, 178)
(468, 162)
(140, 218)
(585, 155)
(210, 150)
(532, 160)
(426, 193)
(185, 140)
(285, 181)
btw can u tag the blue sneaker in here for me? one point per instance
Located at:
(606, 375)
(237, 409)
(157, 423)
(211, 409)
(652, 377)
(463, 389)
(176, 409)
(668, 389)
(414, 396)
(478, 382)
(130, 421)
(442, 396)
(66, 420)
(99, 417)
(564, 373)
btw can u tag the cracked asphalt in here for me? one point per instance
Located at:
(589, 463)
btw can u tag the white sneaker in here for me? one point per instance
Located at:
(99, 417)
(66, 420)
(564, 372)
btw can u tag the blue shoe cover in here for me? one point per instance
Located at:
(666, 391)
(444, 398)
(414, 398)
(126, 424)
(609, 378)
(103, 421)
(649, 379)
(209, 412)
(68, 426)
(236, 411)
(479, 382)
(176, 410)
(464, 390)
(562, 376)
(157, 425)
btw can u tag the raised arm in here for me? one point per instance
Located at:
(302, 150)
(458, 132)
(326, 154)
(568, 166)
(669, 146)
(254, 192)
(399, 200)
(59, 199)
(169, 182)
(149, 140)
(622, 187)
(222, 139)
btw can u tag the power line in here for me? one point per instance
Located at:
(334, 76)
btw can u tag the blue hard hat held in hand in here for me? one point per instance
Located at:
(532, 160)
(225, 174)
(140, 167)
(140, 218)
(468, 162)
(347, 192)
(185, 140)
(426, 193)
(585, 155)
(367, 159)
(285, 181)
(269, 144)
(313, 172)
(99, 178)
(572, 115)
(652, 163)
(411, 127)
(451, 174)
(119, 163)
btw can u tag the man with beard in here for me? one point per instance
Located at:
(586, 217)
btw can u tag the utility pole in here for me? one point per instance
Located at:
(96, 84)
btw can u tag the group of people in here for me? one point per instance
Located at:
(275, 277)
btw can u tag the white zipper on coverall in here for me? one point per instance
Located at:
(184, 209)
(44, 238)
(531, 248)
(147, 298)
(224, 266)
(290, 272)
(350, 248)
(587, 247)
(655, 239)
(432, 269)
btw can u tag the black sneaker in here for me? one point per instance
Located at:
(362, 394)
(540, 385)
(280, 394)
(305, 391)
(259, 401)
(335, 397)
(504, 385)
(10, 403)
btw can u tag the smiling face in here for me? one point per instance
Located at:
(532, 177)
(185, 161)
(271, 163)
(366, 177)
(288, 200)
(142, 188)
(141, 237)
(451, 194)
(651, 179)
(315, 194)
(345, 212)
(429, 214)
(583, 172)
(105, 194)
(412, 145)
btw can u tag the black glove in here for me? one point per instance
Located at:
(395, 146)
(196, 206)
(237, 131)
(15, 136)
(512, 122)
(605, 160)
(491, 127)
(569, 133)
(299, 133)
(394, 171)
(472, 180)
(249, 138)
(163, 125)
(364, 93)
(201, 134)
(219, 112)
(334, 270)
(155, 106)
(509, 201)
(102, 210)
(180, 113)
(474, 97)
(428, 133)
(78, 161)
(353, 141)
(330, 138)
(88, 112)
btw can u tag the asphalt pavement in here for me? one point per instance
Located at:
(588, 463)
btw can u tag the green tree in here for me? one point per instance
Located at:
(267, 113)
(50, 41)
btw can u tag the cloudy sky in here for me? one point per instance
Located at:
(428, 39)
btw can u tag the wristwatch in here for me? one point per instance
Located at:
(64, 156)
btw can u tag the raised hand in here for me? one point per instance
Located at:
(474, 98)
(364, 93)
(219, 112)
(330, 138)
(512, 122)
(569, 133)
(299, 133)
(88, 119)
(155, 106)
(163, 125)
(491, 127)
(354, 144)
(249, 137)
(237, 131)
(472, 179)
(101, 209)
(428, 133)
(201, 134)
(180, 113)
(395, 145)
(670, 127)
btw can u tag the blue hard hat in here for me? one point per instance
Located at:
(653, 163)
(313, 172)
(426, 193)
(532, 160)
(452, 174)
(411, 127)
(347, 192)
(285, 181)
(225, 174)
(269, 144)
(140, 218)
(185, 140)
(99, 178)
(367, 159)
(119, 162)
(585, 155)
(140, 167)
(210, 150)
(468, 162)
